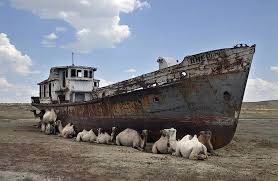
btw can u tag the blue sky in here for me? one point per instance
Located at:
(123, 38)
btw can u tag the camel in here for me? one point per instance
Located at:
(162, 145)
(86, 136)
(172, 132)
(105, 138)
(38, 115)
(48, 117)
(191, 148)
(132, 138)
(203, 137)
(80, 134)
(67, 131)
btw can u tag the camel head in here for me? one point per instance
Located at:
(172, 132)
(99, 130)
(113, 133)
(144, 140)
(144, 132)
(164, 133)
(204, 137)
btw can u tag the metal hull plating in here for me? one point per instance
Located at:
(207, 100)
(190, 105)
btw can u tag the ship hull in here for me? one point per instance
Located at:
(210, 102)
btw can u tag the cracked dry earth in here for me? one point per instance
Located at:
(27, 154)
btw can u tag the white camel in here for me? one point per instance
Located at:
(162, 145)
(67, 131)
(172, 132)
(132, 138)
(86, 136)
(49, 117)
(191, 148)
(188, 147)
(105, 138)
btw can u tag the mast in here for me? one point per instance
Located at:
(72, 58)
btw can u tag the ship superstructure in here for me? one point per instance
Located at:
(68, 84)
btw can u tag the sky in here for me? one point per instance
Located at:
(123, 38)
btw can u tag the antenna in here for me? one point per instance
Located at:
(72, 58)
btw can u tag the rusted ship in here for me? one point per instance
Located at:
(201, 92)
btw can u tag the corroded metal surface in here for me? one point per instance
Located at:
(205, 91)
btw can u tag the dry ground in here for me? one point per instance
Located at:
(27, 154)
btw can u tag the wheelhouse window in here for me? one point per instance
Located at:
(44, 90)
(85, 73)
(79, 73)
(95, 84)
(91, 74)
(66, 73)
(73, 73)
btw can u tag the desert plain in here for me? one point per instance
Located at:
(28, 154)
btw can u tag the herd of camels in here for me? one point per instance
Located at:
(190, 147)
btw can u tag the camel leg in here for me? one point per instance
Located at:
(154, 149)
(78, 138)
(201, 156)
(193, 155)
(39, 124)
(118, 141)
(43, 127)
(177, 152)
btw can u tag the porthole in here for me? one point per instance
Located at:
(156, 99)
(227, 96)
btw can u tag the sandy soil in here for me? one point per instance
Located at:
(27, 154)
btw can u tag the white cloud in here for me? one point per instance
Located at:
(60, 29)
(49, 40)
(15, 93)
(131, 70)
(51, 36)
(141, 5)
(260, 90)
(274, 68)
(4, 84)
(12, 59)
(48, 44)
(104, 83)
(101, 17)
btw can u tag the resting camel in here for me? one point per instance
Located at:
(86, 136)
(132, 138)
(172, 132)
(203, 137)
(67, 131)
(162, 145)
(191, 148)
(105, 138)
(38, 115)
(49, 117)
